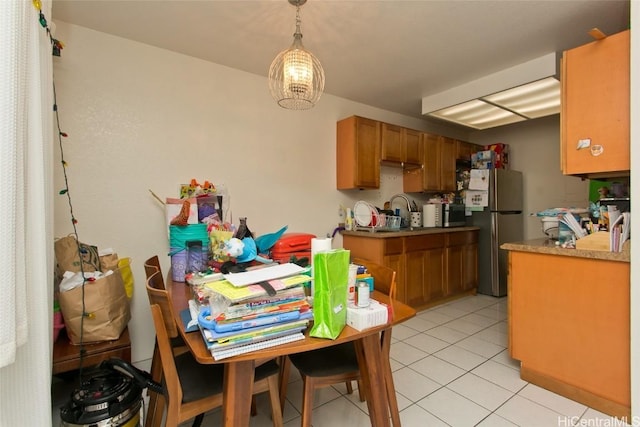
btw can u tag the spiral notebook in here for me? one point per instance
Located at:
(248, 348)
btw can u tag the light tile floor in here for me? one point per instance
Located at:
(451, 368)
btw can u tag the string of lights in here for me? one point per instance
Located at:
(56, 48)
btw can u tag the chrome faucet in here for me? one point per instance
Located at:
(406, 199)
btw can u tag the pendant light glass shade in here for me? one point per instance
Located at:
(296, 77)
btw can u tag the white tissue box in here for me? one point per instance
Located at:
(367, 317)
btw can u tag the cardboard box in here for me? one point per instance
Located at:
(483, 159)
(501, 154)
(367, 317)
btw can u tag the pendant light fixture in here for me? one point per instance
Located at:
(296, 77)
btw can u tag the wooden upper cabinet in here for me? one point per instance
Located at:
(447, 164)
(414, 147)
(595, 107)
(439, 166)
(400, 145)
(432, 166)
(464, 150)
(392, 149)
(358, 153)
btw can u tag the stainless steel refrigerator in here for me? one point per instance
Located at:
(500, 222)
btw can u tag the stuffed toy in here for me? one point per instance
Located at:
(183, 217)
(234, 247)
(266, 241)
(250, 252)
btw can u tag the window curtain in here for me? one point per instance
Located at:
(26, 215)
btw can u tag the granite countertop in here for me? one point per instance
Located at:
(548, 246)
(406, 232)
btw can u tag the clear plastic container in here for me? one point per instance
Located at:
(394, 222)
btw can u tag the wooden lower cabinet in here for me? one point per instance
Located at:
(569, 326)
(454, 270)
(462, 262)
(425, 266)
(427, 270)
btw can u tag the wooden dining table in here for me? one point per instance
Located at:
(239, 370)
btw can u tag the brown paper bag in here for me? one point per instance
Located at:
(106, 306)
(68, 259)
(108, 262)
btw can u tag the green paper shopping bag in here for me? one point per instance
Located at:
(330, 276)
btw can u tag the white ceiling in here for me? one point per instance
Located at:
(388, 54)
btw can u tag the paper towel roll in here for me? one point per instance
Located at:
(318, 245)
(429, 215)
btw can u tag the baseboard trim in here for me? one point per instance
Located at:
(594, 401)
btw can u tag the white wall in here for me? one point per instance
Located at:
(142, 118)
(534, 150)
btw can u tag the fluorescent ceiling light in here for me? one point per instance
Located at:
(532, 92)
(477, 114)
(529, 101)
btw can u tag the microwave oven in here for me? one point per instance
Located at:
(450, 215)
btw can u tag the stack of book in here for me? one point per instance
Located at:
(251, 317)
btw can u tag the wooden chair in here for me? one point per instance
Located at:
(337, 364)
(191, 388)
(156, 402)
(151, 266)
(385, 282)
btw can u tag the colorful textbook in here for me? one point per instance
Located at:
(256, 316)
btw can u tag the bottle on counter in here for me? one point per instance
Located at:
(348, 221)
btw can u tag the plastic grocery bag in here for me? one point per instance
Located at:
(330, 277)
(124, 265)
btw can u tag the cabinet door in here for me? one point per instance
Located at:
(415, 272)
(595, 106)
(425, 276)
(413, 180)
(434, 277)
(454, 270)
(464, 150)
(392, 147)
(447, 164)
(358, 153)
(431, 171)
(413, 147)
(469, 267)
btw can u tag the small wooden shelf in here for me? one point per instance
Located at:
(66, 356)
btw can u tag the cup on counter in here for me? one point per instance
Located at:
(416, 219)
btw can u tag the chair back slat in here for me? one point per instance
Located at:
(151, 266)
(159, 295)
(169, 370)
(384, 278)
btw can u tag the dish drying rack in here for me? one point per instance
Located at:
(367, 218)
(383, 223)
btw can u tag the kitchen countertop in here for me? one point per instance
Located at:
(405, 232)
(548, 246)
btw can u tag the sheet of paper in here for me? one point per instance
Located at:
(476, 199)
(479, 179)
(262, 274)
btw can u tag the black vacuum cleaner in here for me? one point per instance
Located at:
(110, 397)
